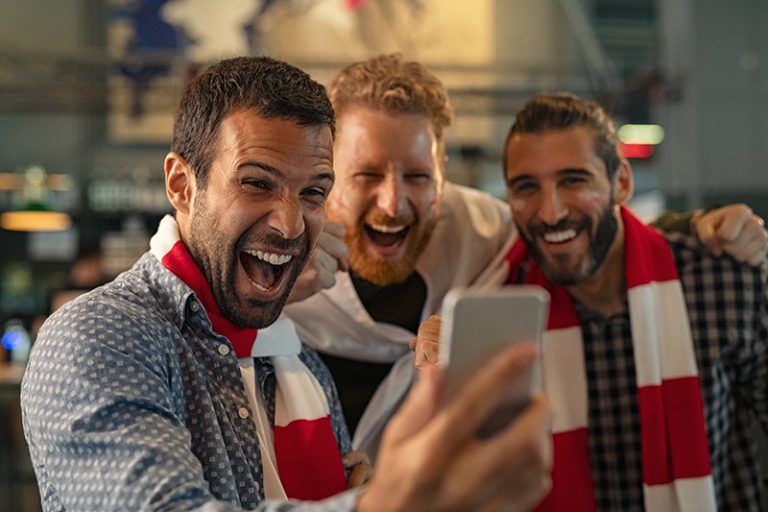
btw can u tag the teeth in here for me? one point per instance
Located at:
(387, 229)
(270, 257)
(560, 236)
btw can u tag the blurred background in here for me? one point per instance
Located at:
(88, 89)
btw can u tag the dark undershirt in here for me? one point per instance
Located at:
(399, 304)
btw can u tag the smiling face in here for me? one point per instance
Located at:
(252, 225)
(562, 201)
(389, 186)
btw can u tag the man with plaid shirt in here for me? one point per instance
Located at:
(566, 182)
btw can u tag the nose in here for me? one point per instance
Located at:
(553, 208)
(287, 218)
(391, 197)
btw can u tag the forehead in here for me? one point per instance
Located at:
(373, 134)
(245, 134)
(552, 151)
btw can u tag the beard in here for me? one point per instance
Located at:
(218, 260)
(384, 271)
(557, 268)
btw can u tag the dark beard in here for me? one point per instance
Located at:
(219, 269)
(260, 313)
(599, 244)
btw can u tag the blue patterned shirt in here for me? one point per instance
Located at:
(132, 402)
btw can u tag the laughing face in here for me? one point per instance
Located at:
(251, 227)
(562, 201)
(389, 186)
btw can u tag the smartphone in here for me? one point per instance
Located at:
(477, 323)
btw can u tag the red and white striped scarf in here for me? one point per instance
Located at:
(676, 466)
(308, 457)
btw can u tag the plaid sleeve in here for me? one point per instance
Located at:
(757, 361)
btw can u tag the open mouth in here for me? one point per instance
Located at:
(265, 269)
(560, 237)
(386, 236)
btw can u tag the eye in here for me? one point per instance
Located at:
(524, 187)
(257, 184)
(369, 174)
(418, 177)
(573, 180)
(315, 194)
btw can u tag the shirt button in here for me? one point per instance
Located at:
(242, 412)
(195, 307)
(256, 486)
(223, 349)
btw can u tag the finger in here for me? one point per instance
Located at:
(419, 407)
(334, 228)
(755, 252)
(732, 224)
(324, 261)
(738, 249)
(429, 330)
(355, 457)
(332, 241)
(325, 280)
(469, 408)
(527, 441)
(759, 255)
(427, 344)
(706, 227)
(361, 474)
(334, 246)
(426, 353)
(517, 459)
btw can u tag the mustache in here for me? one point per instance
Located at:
(278, 243)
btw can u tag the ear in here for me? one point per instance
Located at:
(179, 182)
(623, 182)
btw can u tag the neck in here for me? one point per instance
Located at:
(605, 291)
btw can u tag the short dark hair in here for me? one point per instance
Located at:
(559, 111)
(394, 85)
(272, 88)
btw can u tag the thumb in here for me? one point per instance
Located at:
(706, 230)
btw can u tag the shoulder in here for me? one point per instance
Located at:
(468, 215)
(694, 259)
(127, 319)
(459, 200)
(718, 282)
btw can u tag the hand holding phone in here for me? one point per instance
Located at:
(476, 323)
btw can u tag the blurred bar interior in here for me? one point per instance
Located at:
(88, 88)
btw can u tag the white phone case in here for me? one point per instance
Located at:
(477, 323)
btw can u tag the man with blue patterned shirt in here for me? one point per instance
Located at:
(177, 387)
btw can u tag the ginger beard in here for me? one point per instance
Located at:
(370, 264)
(208, 246)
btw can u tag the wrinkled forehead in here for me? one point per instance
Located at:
(548, 151)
